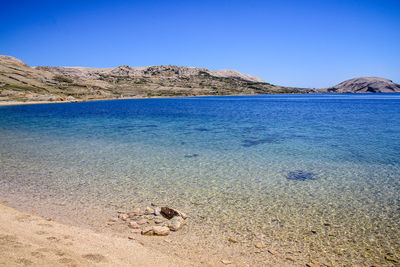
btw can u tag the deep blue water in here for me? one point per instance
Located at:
(300, 159)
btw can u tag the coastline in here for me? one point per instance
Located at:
(27, 239)
(18, 103)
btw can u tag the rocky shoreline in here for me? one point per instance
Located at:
(152, 221)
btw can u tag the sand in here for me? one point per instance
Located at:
(30, 240)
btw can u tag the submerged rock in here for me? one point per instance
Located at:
(156, 230)
(191, 155)
(299, 175)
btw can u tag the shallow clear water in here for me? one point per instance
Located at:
(313, 174)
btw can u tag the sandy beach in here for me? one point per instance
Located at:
(28, 240)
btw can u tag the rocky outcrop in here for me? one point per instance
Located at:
(161, 72)
(366, 85)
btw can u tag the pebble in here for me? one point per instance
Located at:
(156, 230)
(290, 259)
(390, 259)
(131, 237)
(136, 231)
(233, 240)
(49, 219)
(157, 211)
(158, 221)
(149, 211)
(167, 240)
(273, 252)
(136, 212)
(175, 223)
(260, 245)
(123, 216)
(226, 262)
(134, 225)
(110, 223)
(113, 219)
(142, 221)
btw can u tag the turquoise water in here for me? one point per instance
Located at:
(315, 175)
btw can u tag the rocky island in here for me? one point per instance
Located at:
(365, 85)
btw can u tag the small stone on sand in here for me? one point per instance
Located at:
(260, 245)
(156, 230)
(131, 237)
(149, 211)
(123, 216)
(157, 211)
(391, 259)
(133, 225)
(226, 262)
(158, 221)
(142, 221)
(290, 259)
(175, 223)
(233, 240)
(136, 212)
(273, 252)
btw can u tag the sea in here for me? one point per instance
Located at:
(313, 176)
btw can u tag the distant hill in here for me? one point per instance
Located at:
(20, 82)
(366, 85)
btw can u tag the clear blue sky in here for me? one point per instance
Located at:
(294, 43)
